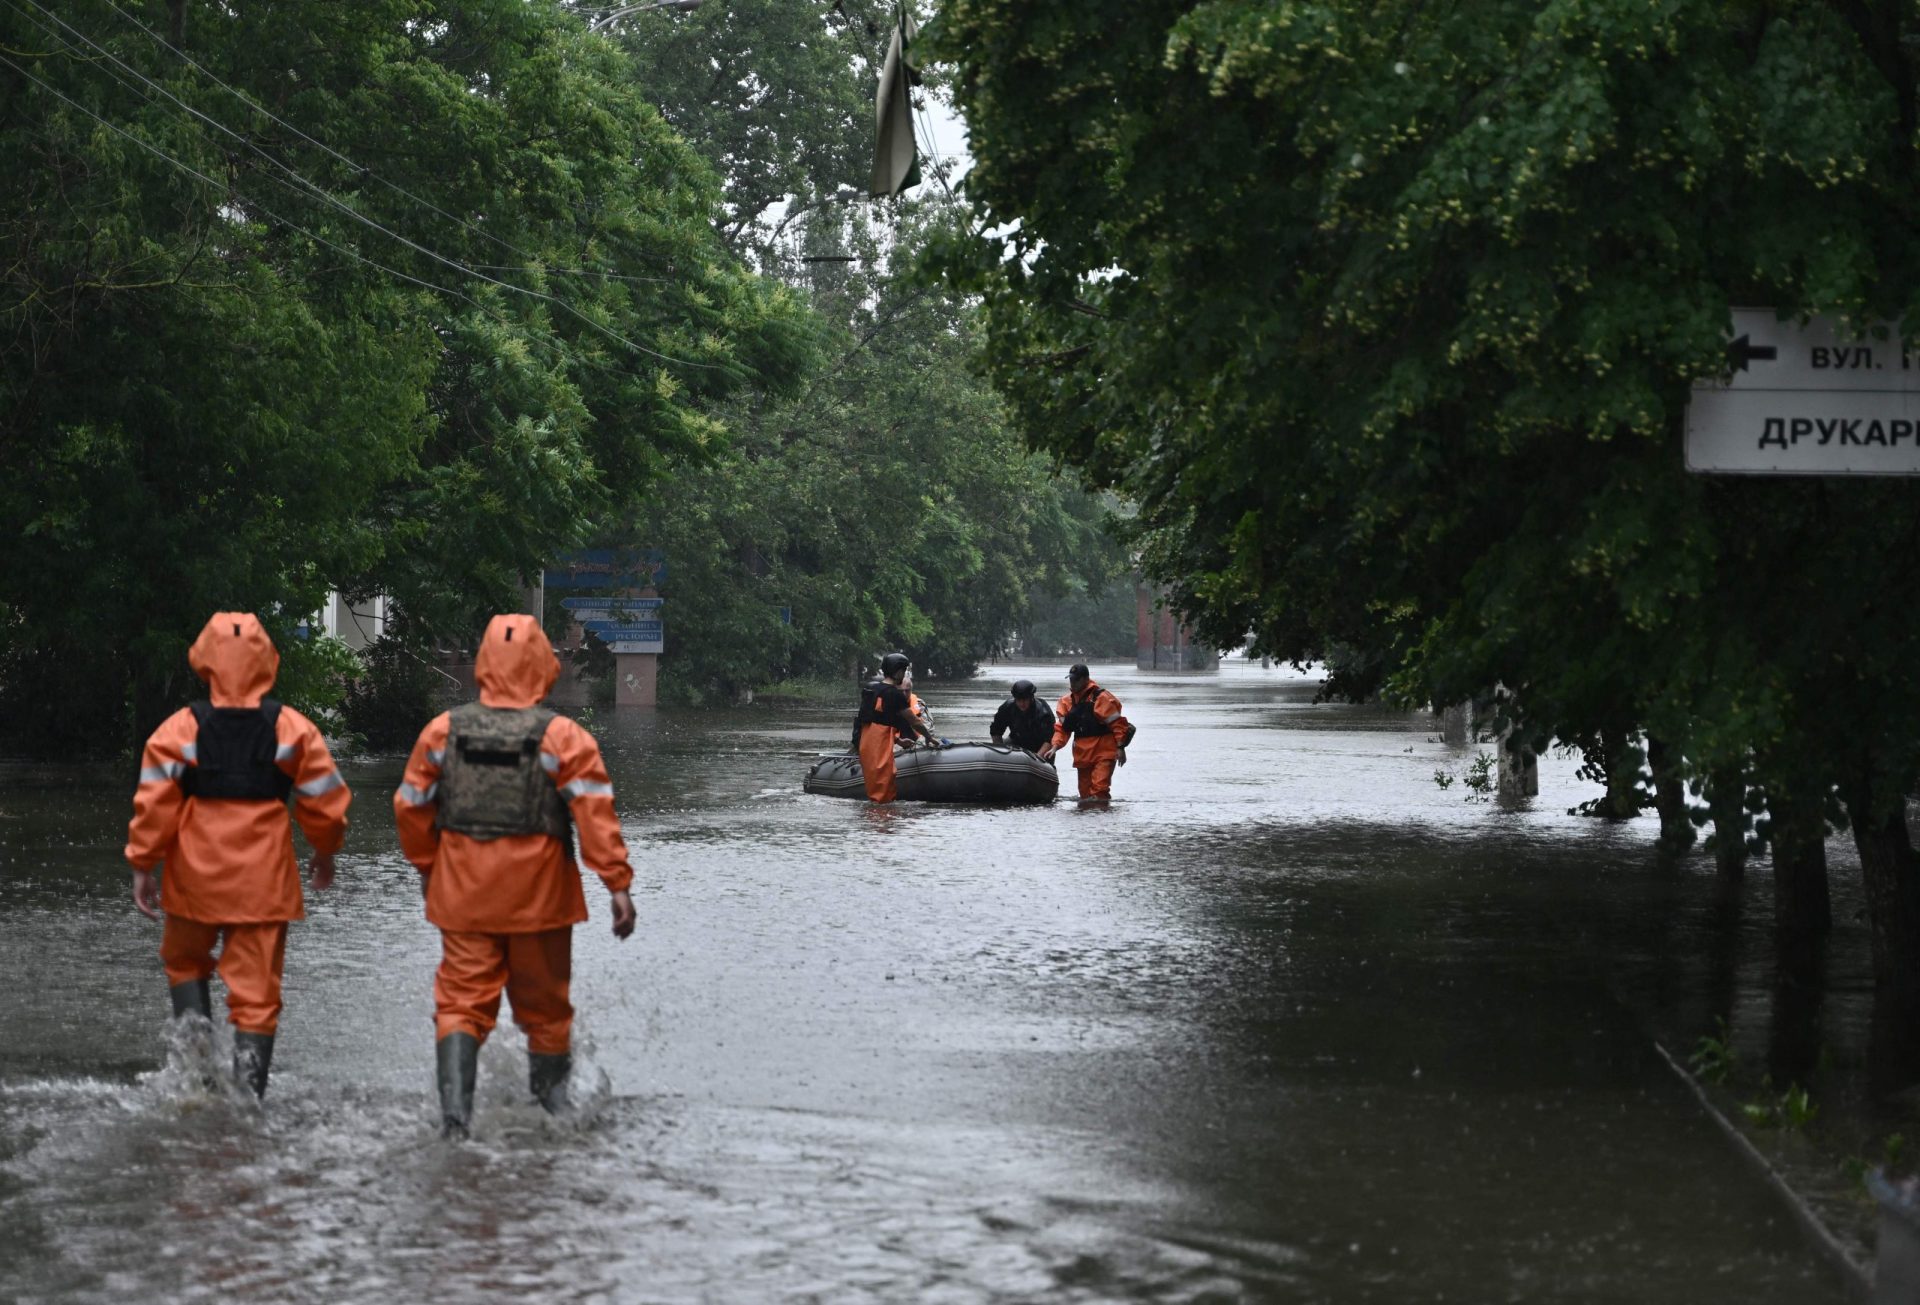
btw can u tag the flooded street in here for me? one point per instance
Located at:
(1289, 1022)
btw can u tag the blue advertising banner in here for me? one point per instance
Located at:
(608, 568)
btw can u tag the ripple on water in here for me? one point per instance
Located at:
(165, 1190)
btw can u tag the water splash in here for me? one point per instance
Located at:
(197, 1071)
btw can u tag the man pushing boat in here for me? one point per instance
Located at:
(885, 712)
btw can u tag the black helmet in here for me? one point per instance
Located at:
(1023, 688)
(1079, 671)
(893, 664)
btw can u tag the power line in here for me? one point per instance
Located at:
(932, 150)
(267, 113)
(321, 193)
(575, 271)
(359, 168)
(192, 171)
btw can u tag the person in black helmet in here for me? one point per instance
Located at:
(1024, 719)
(885, 711)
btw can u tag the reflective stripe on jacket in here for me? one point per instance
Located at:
(518, 883)
(232, 862)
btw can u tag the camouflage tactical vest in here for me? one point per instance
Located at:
(491, 781)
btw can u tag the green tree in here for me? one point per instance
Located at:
(887, 503)
(1386, 317)
(401, 295)
(777, 95)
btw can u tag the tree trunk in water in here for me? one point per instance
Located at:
(1727, 800)
(1799, 990)
(1892, 879)
(1623, 775)
(1801, 904)
(1669, 797)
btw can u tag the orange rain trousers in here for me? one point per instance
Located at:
(1096, 781)
(876, 762)
(535, 969)
(251, 959)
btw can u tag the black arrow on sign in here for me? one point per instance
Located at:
(1742, 353)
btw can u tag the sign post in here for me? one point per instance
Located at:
(1800, 399)
(614, 597)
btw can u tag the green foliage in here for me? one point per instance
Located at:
(777, 95)
(239, 366)
(1479, 778)
(393, 692)
(1085, 622)
(1792, 1109)
(315, 672)
(1894, 1154)
(1386, 316)
(1713, 1060)
(885, 501)
(888, 505)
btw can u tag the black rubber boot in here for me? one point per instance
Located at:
(252, 1058)
(191, 998)
(458, 1064)
(547, 1076)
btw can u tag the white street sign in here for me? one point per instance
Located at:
(642, 646)
(1801, 400)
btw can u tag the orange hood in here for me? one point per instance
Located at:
(236, 659)
(516, 666)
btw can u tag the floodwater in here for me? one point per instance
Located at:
(1289, 1022)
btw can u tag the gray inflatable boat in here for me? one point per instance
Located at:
(963, 772)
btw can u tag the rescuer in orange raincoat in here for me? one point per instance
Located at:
(886, 714)
(1100, 733)
(212, 806)
(493, 794)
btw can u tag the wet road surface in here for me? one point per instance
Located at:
(1289, 1022)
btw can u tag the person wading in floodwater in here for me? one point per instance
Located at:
(492, 795)
(212, 805)
(1100, 733)
(886, 713)
(1023, 718)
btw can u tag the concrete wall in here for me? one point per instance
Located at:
(636, 679)
(357, 625)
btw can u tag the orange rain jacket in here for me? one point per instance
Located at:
(232, 862)
(1101, 747)
(519, 883)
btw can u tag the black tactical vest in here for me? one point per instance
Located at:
(234, 754)
(880, 703)
(491, 781)
(1083, 722)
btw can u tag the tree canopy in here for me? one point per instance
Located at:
(889, 502)
(407, 297)
(401, 296)
(1386, 316)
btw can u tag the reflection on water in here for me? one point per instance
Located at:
(1288, 1022)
